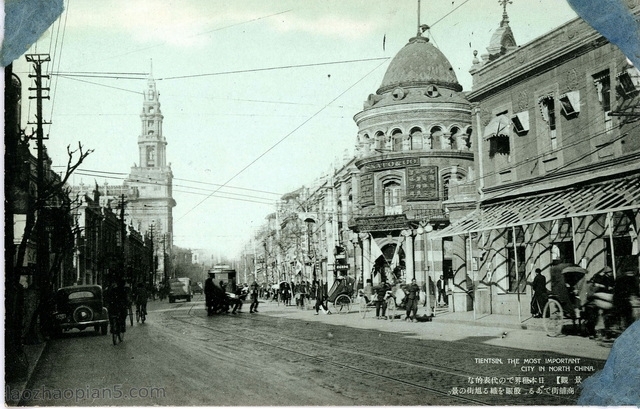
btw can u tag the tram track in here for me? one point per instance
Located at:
(388, 368)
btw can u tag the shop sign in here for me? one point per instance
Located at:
(366, 224)
(366, 189)
(422, 183)
(391, 164)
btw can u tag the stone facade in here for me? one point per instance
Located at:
(150, 200)
(557, 151)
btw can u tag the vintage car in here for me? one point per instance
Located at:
(196, 288)
(79, 307)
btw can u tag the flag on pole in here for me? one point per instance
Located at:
(375, 250)
(395, 261)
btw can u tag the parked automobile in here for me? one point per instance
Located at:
(79, 307)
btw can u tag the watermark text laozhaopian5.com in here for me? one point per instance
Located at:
(44, 393)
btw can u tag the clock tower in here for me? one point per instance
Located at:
(150, 200)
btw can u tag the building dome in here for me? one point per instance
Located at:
(417, 64)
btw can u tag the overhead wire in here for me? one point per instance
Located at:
(59, 59)
(101, 173)
(197, 34)
(286, 136)
(155, 183)
(282, 67)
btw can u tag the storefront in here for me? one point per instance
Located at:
(499, 245)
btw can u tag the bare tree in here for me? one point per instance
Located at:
(54, 194)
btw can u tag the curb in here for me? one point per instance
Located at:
(479, 323)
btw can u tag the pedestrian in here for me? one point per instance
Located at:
(412, 296)
(320, 299)
(209, 294)
(253, 291)
(441, 284)
(302, 290)
(540, 294)
(381, 298)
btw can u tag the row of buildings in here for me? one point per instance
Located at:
(539, 163)
(91, 231)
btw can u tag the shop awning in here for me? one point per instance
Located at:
(613, 196)
(498, 126)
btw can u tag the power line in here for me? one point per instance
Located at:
(446, 15)
(101, 173)
(284, 137)
(195, 35)
(101, 85)
(155, 183)
(55, 86)
(283, 67)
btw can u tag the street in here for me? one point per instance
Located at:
(288, 357)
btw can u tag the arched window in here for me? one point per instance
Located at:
(435, 135)
(380, 142)
(454, 139)
(396, 139)
(416, 139)
(392, 191)
(350, 206)
(151, 110)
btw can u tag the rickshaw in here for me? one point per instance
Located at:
(568, 286)
(389, 299)
(340, 295)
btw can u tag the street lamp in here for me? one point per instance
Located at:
(425, 229)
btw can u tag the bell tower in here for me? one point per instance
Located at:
(150, 200)
(152, 145)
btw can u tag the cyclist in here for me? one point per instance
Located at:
(141, 298)
(117, 305)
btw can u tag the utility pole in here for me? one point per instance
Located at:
(153, 257)
(123, 235)
(41, 240)
(164, 259)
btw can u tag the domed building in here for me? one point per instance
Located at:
(413, 146)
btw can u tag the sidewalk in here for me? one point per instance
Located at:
(14, 390)
(498, 330)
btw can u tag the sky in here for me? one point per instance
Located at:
(258, 96)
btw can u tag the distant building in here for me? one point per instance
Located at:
(148, 191)
(150, 200)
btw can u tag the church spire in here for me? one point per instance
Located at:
(502, 40)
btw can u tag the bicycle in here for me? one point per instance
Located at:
(141, 313)
(130, 313)
(117, 328)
